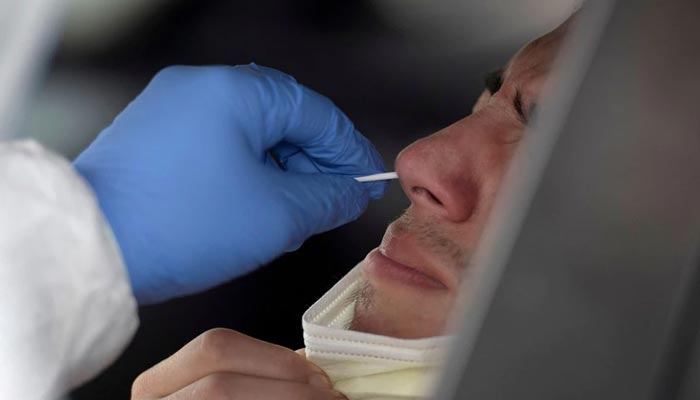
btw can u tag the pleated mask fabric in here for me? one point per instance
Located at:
(366, 366)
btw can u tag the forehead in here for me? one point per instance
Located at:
(532, 64)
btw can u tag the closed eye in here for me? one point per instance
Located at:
(524, 115)
(518, 105)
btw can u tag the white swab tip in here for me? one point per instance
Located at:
(377, 177)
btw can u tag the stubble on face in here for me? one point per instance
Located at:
(451, 244)
(429, 235)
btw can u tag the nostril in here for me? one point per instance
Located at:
(425, 193)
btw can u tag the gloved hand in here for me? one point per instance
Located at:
(186, 181)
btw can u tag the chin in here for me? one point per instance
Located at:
(401, 314)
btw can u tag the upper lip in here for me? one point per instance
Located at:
(397, 250)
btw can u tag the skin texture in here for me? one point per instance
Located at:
(224, 364)
(452, 178)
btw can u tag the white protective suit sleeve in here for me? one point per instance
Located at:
(66, 307)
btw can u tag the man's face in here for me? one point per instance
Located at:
(452, 178)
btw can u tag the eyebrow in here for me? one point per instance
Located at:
(493, 80)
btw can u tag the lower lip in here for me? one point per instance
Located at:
(385, 268)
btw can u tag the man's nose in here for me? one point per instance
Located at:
(438, 178)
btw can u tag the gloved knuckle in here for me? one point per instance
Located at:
(199, 78)
(219, 75)
(171, 72)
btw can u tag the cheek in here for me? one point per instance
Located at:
(511, 137)
(494, 181)
(493, 167)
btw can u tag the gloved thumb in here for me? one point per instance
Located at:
(321, 202)
(292, 158)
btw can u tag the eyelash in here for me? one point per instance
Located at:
(493, 82)
(518, 104)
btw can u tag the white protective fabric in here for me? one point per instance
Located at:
(66, 308)
(365, 366)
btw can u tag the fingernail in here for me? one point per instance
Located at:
(320, 380)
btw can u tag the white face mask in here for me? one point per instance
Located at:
(365, 366)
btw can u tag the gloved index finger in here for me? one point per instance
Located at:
(304, 118)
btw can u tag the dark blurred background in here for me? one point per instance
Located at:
(400, 69)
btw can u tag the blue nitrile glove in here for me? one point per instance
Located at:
(185, 178)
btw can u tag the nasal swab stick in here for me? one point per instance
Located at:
(377, 177)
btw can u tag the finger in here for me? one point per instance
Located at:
(313, 203)
(293, 159)
(300, 162)
(224, 350)
(304, 118)
(224, 386)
